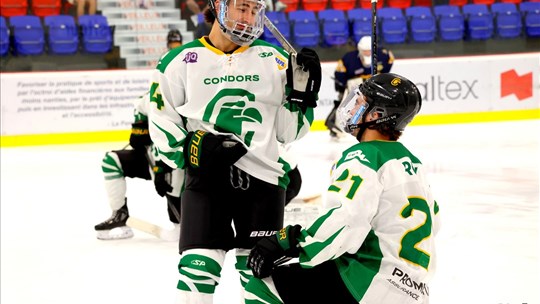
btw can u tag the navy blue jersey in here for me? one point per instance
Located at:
(350, 67)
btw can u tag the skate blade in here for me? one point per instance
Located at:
(115, 233)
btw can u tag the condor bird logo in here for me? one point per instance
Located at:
(233, 110)
(514, 84)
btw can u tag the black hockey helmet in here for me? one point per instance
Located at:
(174, 35)
(394, 97)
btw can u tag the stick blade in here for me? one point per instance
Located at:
(144, 226)
(155, 230)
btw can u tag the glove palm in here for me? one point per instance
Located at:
(304, 76)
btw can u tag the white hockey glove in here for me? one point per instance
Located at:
(304, 79)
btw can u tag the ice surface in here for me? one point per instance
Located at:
(485, 178)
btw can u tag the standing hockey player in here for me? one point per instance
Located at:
(221, 105)
(352, 69)
(139, 162)
(375, 242)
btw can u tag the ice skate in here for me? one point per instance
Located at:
(115, 227)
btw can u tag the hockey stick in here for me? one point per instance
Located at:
(279, 36)
(373, 37)
(153, 229)
(315, 199)
(287, 45)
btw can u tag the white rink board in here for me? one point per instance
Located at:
(65, 102)
(61, 102)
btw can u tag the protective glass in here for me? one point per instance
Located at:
(350, 111)
(243, 20)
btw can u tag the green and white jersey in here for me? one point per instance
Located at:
(379, 226)
(241, 95)
(141, 107)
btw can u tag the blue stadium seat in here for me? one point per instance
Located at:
(279, 19)
(96, 33)
(360, 20)
(4, 37)
(422, 23)
(335, 27)
(393, 25)
(28, 34)
(507, 20)
(527, 6)
(531, 16)
(479, 21)
(63, 34)
(305, 26)
(451, 24)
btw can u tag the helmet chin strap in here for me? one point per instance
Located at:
(367, 125)
(362, 127)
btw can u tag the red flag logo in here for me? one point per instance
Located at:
(512, 83)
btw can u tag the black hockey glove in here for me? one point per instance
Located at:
(304, 79)
(206, 151)
(140, 136)
(162, 178)
(273, 251)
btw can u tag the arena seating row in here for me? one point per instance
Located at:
(319, 5)
(332, 27)
(40, 8)
(58, 34)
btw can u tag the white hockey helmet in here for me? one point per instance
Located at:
(364, 50)
(241, 20)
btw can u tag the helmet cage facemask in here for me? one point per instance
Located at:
(239, 32)
(348, 120)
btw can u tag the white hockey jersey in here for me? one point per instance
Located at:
(140, 113)
(379, 226)
(241, 95)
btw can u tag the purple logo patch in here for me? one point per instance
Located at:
(191, 57)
